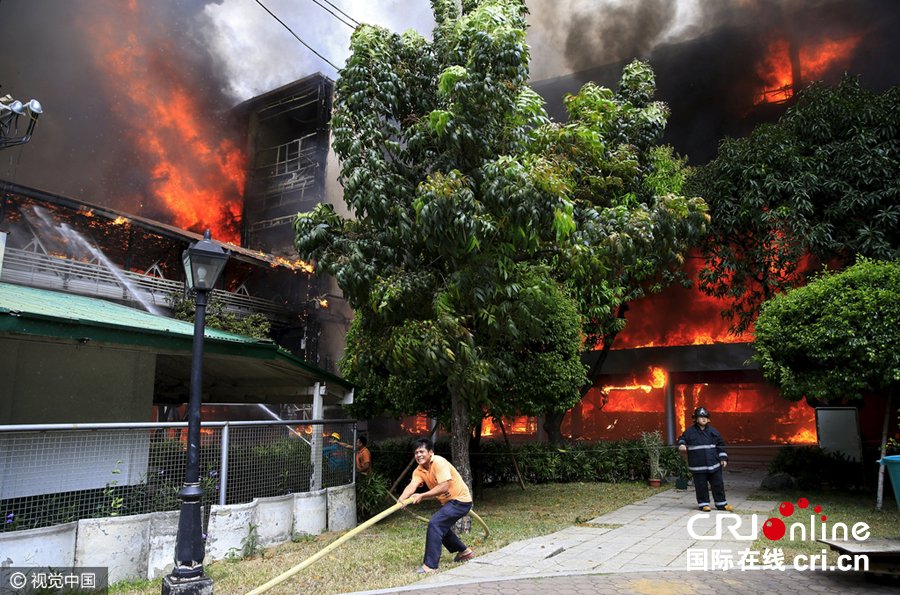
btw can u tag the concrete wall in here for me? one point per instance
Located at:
(69, 382)
(342, 508)
(143, 546)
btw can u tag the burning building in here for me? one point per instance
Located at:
(676, 353)
(247, 180)
(154, 156)
(56, 247)
(288, 141)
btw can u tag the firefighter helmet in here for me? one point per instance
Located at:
(701, 412)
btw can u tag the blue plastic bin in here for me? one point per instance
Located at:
(893, 468)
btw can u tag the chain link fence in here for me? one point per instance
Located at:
(57, 474)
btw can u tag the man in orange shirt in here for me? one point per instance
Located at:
(363, 456)
(445, 484)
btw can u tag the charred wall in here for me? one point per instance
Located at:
(287, 146)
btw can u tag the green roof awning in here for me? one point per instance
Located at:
(237, 369)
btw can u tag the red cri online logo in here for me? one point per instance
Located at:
(775, 529)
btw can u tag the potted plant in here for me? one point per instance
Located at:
(653, 443)
(681, 483)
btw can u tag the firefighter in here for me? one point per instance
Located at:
(706, 458)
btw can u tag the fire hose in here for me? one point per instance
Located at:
(487, 532)
(286, 575)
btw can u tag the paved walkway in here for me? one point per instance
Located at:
(641, 548)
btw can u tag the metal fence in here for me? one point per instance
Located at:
(53, 474)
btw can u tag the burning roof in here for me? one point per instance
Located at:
(121, 224)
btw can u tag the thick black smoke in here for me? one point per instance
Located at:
(617, 32)
(85, 145)
(711, 81)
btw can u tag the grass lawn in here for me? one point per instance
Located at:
(838, 507)
(385, 555)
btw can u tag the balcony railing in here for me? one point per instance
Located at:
(34, 269)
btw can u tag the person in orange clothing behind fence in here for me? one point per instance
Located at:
(444, 483)
(363, 456)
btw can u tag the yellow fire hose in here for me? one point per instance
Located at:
(285, 576)
(487, 532)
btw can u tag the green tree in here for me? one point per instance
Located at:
(450, 212)
(471, 210)
(633, 226)
(539, 371)
(834, 339)
(822, 185)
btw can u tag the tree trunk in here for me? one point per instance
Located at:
(511, 455)
(459, 445)
(552, 425)
(553, 421)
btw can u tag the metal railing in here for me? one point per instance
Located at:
(63, 274)
(54, 474)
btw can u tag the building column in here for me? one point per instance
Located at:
(670, 410)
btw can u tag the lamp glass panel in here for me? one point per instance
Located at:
(206, 269)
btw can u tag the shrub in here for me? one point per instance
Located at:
(811, 467)
(371, 494)
(621, 460)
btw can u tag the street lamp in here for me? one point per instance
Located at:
(10, 111)
(203, 263)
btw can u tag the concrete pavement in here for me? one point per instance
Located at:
(642, 548)
(673, 582)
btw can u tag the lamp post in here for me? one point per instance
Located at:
(10, 111)
(204, 262)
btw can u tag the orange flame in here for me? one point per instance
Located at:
(651, 322)
(197, 175)
(623, 397)
(119, 221)
(775, 69)
(520, 424)
(297, 265)
(416, 425)
(657, 380)
(815, 61)
(805, 436)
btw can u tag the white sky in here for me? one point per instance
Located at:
(256, 54)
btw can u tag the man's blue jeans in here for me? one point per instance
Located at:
(440, 531)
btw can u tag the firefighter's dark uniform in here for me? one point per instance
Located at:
(706, 451)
